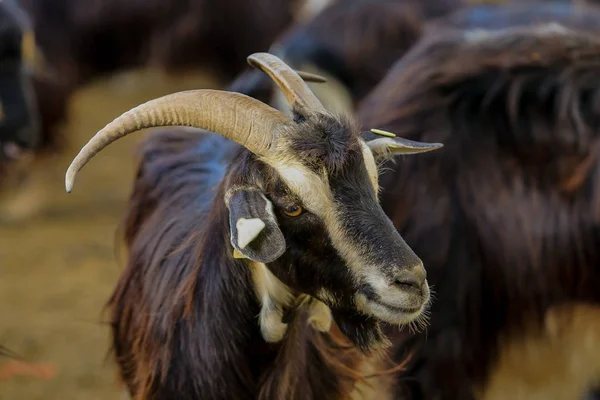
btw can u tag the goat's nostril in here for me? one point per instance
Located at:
(411, 278)
(408, 282)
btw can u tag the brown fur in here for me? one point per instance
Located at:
(506, 216)
(555, 363)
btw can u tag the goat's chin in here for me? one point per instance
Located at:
(363, 325)
(394, 315)
(415, 317)
(363, 331)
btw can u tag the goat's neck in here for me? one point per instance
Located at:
(299, 358)
(313, 359)
(277, 299)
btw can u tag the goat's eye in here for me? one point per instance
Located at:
(293, 211)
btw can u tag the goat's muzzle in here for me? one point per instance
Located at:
(401, 299)
(393, 279)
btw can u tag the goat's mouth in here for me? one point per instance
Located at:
(392, 313)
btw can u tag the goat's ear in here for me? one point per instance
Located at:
(385, 144)
(255, 234)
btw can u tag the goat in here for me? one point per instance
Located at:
(506, 218)
(286, 227)
(352, 43)
(19, 120)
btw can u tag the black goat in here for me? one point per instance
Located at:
(352, 42)
(287, 228)
(85, 40)
(19, 120)
(506, 217)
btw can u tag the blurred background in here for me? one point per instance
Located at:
(57, 269)
(82, 63)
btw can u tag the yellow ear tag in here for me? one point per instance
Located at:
(237, 254)
(382, 133)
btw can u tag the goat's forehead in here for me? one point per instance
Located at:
(315, 185)
(350, 162)
(322, 140)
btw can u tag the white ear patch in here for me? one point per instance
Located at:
(248, 230)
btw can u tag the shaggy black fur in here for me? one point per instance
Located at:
(185, 311)
(506, 216)
(356, 41)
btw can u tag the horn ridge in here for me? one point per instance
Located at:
(234, 116)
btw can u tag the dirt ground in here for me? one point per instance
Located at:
(58, 269)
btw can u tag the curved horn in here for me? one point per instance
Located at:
(235, 116)
(295, 90)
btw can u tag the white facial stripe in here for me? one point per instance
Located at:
(371, 166)
(348, 249)
(311, 188)
(248, 230)
(318, 199)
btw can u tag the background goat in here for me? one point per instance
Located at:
(353, 43)
(300, 203)
(506, 217)
(84, 40)
(18, 115)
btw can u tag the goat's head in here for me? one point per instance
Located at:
(19, 119)
(302, 202)
(512, 91)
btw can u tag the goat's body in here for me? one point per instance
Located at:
(170, 213)
(185, 321)
(506, 216)
(558, 362)
(353, 43)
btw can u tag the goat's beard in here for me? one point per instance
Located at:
(363, 332)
